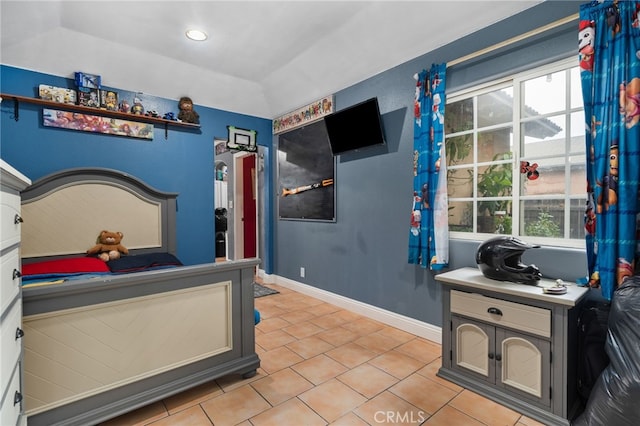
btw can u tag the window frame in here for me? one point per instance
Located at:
(515, 81)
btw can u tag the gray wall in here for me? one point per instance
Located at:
(363, 256)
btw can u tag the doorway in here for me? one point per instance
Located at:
(245, 213)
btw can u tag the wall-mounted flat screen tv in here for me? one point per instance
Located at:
(355, 127)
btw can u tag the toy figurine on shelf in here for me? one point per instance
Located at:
(137, 107)
(170, 116)
(124, 106)
(187, 113)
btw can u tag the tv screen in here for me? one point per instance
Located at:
(355, 127)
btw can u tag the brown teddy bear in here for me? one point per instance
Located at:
(108, 246)
(187, 114)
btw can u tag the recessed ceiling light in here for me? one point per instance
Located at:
(196, 35)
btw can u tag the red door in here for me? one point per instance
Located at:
(249, 205)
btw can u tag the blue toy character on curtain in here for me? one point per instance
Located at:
(429, 228)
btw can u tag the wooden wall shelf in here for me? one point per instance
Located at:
(94, 111)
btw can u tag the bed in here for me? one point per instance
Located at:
(99, 344)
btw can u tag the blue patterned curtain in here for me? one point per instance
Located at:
(429, 230)
(609, 52)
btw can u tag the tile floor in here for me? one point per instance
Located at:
(323, 365)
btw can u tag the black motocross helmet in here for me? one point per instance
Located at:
(499, 259)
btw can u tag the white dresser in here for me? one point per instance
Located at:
(12, 182)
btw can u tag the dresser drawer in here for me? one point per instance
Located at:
(9, 280)
(11, 346)
(517, 316)
(10, 411)
(9, 219)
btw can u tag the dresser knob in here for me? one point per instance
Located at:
(17, 219)
(16, 274)
(17, 398)
(498, 357)
(19, 333)
(494, 311)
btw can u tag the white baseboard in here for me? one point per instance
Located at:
(404, 323)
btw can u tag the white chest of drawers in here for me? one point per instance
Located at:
(512, 343)
(11, 183)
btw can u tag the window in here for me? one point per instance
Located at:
(516, 158)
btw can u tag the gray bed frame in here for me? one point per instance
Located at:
(237, 355)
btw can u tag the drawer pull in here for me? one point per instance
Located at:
(17, 398)
(16, 274)
(17, 219)
(494, 311)
(498, 357)
(490, 355)
(19, 333)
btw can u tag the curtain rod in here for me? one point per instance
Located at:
(512, 40)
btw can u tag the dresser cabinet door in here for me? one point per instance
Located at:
(524, 366)
(472, 346)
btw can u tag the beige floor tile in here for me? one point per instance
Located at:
(397, 364)
(303, 329)
(449, 416)
(430, 372)
(279, 358)
(332, 399)
(349, 419)
(319, 369)
(293, 302)
(338, 336)
(351, 354)
(281, 386)
(483, 409)
(421, 349)
(377, 343)
(368, 380)
(396, 334)
(309, 301)
(323, 309)
(349, 316)
(234, 407)
(192, 397)
(269, 311)
(297, 317)
(364, 326)
(274, 339)
(272, 324)
(329, 320)
(190, 417)
(292, 412)
(310, 346)
(423, 393)
(389, 409)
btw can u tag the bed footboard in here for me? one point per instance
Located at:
(102, 347)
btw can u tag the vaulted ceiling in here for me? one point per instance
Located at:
(262, 58)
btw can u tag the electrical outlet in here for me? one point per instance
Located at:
(302, 271)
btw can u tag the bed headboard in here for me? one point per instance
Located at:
(64, 212)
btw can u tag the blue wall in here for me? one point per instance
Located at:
(363, 256)
(183, 163)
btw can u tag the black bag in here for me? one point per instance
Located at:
(592, 335)
(615, 395)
